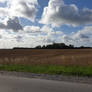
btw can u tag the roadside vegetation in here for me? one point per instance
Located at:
(50, 69)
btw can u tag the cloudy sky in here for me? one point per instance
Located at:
(28, 23)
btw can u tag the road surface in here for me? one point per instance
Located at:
(17, 84)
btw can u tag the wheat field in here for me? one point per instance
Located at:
(67, 57)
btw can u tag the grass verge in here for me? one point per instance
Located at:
(52, 69)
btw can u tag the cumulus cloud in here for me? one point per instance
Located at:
(3, 12)
(44, 30)
(37, 29)
(19, 38)
(58, 13)
(11, 24)
(10, 13)
(32, 29)
(81, 38)
(25, 8)
(43, 35)
(1, 1)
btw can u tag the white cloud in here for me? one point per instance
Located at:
(11, 24)
(20, 8)
(57, 13)
(3, 12)
(2, 1)
(81, 38)
(19, 38)
(32, 29)
(31, 37)
(45, 35)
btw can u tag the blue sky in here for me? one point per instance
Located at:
(39, 22)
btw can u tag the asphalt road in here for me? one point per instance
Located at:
(16, 84)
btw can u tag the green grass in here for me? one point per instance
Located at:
(64, 70)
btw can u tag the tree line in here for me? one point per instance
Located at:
(55, 46)
(59, 46)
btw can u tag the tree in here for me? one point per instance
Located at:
(38, 47)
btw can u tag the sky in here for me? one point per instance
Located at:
(29, 23)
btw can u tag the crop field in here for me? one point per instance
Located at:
(48, 61)
(65, 57)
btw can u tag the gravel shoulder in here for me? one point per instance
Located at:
(77, 79)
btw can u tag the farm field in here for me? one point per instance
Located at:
(48, 61)
(66, 57)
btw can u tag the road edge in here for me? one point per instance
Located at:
(77, 79)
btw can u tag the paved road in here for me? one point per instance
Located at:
(15, 84)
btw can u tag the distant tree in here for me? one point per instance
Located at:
(38, 47)
(71, 46)
(82, 47)
(43, 47)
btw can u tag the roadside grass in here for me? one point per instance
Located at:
(50, 69)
